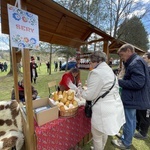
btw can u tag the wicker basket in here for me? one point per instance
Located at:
(69, 113)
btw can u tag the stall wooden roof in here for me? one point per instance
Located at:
(57, 25)
(116, 44)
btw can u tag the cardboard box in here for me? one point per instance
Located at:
(46, 115)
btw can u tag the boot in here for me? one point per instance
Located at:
(34, 80)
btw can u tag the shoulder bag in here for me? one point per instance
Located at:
(89, 105)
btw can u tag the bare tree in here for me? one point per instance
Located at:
(108, 15)
(119, 10)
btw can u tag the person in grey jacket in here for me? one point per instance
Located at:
(108, 112)
(135, 92)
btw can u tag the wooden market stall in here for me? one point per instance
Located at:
(57, 25)
(116, 44)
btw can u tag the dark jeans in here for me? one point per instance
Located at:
(143, 122)
(33, 80)
(22, 100)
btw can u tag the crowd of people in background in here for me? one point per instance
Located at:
(3, 67)
(57, 66)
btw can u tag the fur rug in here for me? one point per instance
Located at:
(10, 125)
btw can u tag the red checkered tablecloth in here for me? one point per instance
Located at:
(63, 133)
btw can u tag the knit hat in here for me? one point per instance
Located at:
(32, 58)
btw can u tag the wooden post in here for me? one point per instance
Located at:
(30, 143)
(15, 73)
(50, 59)
(106, 48)
(29, 137)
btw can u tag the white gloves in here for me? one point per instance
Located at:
(78, 90)
(72, 86)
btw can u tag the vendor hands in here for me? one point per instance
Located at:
(84, 87)
(72, 86)
(79, 92)
(80, 84)
(78, 95)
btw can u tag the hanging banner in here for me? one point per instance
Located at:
(23, 28)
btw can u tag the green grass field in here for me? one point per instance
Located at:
(6, 84)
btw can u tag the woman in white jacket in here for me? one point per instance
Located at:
(108, 112)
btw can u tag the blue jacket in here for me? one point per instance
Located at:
(135, 84)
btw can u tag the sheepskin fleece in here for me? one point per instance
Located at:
(10, 139)
(10, 116)
(10, 125)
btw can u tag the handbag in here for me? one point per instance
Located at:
(89, 105)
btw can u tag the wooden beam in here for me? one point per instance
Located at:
(88, 33)
(61, 24)
(106, 48)
(94, 41)
(18, 56)
(30, 143)
(15, 73)
(75, 40)
(113, 49)
(29, 128)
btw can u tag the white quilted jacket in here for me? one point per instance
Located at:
(108, 112)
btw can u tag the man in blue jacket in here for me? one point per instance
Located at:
(135, 92)
(143, 116)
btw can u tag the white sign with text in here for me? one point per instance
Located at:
(23, 28)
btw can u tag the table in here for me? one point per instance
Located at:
(63, 133)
